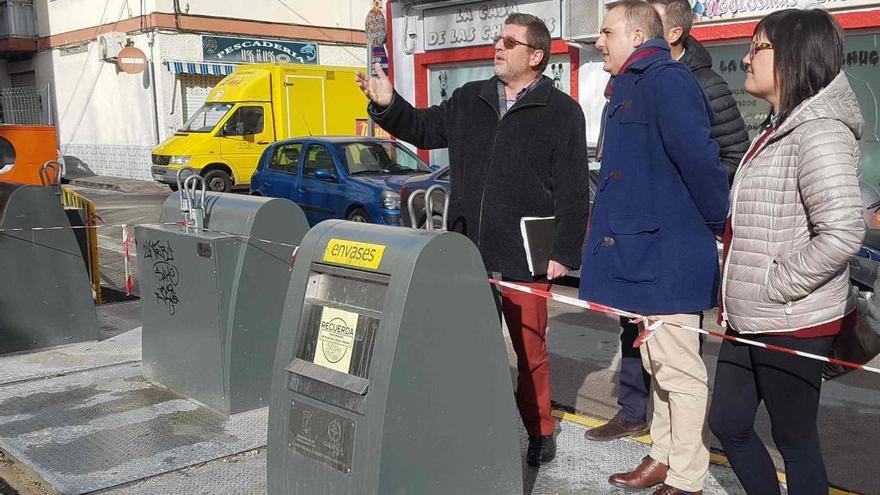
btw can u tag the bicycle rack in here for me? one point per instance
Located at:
(184, 201)
(52, 182)
(429, 207)
(195, 189)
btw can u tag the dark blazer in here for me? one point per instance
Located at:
(530, 162)
(728, 127)
(662, 194)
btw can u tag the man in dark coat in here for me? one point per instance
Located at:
(728, 127)
(651, 250)
(729, 131)
(517, 148)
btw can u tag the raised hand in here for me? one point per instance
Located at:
(379, 90)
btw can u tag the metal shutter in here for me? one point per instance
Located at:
(195, 89)
(23, 80)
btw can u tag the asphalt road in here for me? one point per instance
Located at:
(141, 206)
(584, 356)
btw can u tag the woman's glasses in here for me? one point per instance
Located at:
(757, 46)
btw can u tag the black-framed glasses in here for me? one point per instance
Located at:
(510, 42)
(757, 46)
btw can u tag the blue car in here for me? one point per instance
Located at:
(347, 177)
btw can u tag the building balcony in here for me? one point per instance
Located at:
(18, 27)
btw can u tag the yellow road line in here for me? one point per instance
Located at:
(718, 459)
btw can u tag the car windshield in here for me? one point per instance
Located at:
(206, 117)
(380, 157)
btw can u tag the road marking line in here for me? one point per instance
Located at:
(717, 459)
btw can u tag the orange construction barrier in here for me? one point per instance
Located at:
(24, 149)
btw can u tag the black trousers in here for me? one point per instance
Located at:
(789, 386)
(634, 382)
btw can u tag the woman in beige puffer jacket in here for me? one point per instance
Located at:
(795, 222)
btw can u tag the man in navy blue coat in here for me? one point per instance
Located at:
(662, 199)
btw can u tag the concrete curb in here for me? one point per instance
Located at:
(120, 185)
(97, 185)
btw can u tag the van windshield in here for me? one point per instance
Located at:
(206, 117)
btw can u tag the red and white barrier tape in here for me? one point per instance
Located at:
(79, 227)
(292, 258)
(254, 239)
(654, 324)
(652, 327)
(127, 240)
(125, 225)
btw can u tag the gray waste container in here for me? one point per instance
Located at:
(391, 374)
(45, 296)
(212, 298)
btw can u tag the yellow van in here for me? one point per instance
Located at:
(254, 106)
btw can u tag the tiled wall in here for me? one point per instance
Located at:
(116, 160)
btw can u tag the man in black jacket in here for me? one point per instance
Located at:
(729, 131)
(517, 148)
(728, 127)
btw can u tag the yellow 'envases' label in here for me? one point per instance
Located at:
(358, 254)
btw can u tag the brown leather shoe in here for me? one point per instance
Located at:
(616, 428)
(649, 473)
(671, 490)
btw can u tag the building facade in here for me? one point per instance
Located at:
(726, 27)
(109, 120)
(435, 46)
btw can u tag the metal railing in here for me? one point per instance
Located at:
(72, 199)
(26, 105)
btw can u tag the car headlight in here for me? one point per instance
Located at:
(180, 160)
(390, 200)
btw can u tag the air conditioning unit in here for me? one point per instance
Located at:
(583, 19)
(109, 45)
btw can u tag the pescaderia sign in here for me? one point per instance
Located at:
(477, 23)
(257, 50)
(726, 10)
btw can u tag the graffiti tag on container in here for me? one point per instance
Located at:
(158, 251)
(166, 272)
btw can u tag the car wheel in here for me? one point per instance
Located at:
(358, 215)
(218, 181)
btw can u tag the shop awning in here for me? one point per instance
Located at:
(203, 68)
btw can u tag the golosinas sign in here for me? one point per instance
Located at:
(726, 10)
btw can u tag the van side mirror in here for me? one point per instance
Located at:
(324, 174)
(434, 168)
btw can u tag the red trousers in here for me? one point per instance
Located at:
(526, 317)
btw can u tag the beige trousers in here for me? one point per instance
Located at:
(679, 394)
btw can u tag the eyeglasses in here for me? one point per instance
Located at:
(510, 42)
(757, 46)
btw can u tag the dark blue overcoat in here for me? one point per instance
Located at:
(662, 195)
